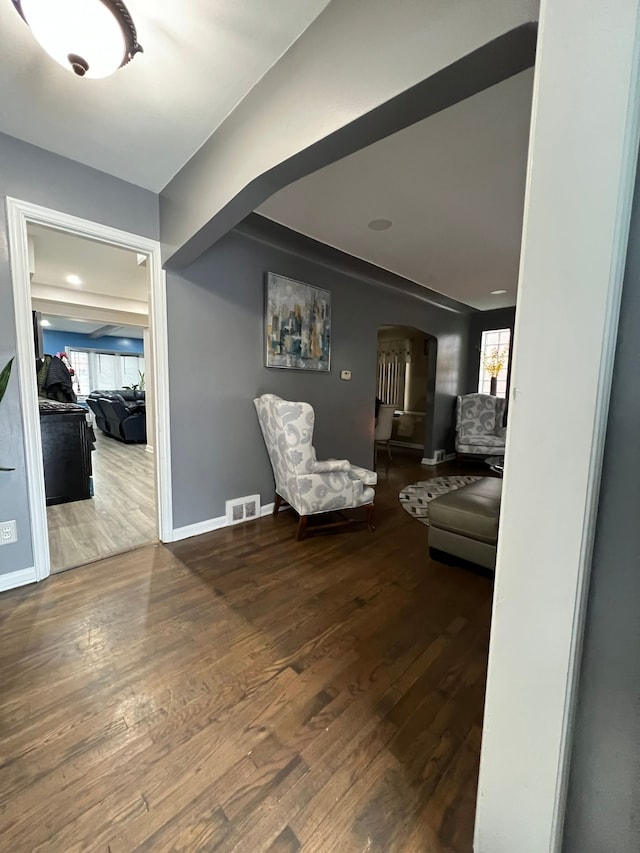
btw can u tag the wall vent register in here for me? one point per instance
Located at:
(242, 509)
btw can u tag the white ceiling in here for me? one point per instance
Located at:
(103, 269)
(453, 186)
(142, 124)
(86, 327)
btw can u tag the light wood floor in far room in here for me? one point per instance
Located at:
(245, 692)
(120, 516)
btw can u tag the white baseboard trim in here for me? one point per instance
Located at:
(149, 448)
(210, 524)
(267, 509)
(433, 461)
(199, 528)
(19, 578)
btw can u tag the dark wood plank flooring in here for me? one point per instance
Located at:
(242, 691)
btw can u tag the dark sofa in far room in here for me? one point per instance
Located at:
(120, 414)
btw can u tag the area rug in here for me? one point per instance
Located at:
(416, 498)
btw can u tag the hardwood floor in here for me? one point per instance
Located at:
(121, 515)
(242, 691)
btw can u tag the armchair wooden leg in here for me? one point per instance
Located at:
(370, 525)
(389, 451)
(277, 503)
(302, 527)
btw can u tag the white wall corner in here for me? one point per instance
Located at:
(580, 179)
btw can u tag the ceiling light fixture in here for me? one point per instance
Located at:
(45, 323)
(497, 292)
(380, 224)
(92, 38)
(73, 279)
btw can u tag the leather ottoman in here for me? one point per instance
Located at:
(464, 522)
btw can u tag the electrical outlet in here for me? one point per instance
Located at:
(8, 532)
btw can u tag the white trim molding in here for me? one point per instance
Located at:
(582, 164)
(218, 523)
(199, 528)
(19, 215)
(20, 578)
(435, 460)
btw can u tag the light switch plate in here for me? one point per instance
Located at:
(345, 374)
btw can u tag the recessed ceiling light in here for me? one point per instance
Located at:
(497, 292)
(380, 224)
(45, 323)
(91, 38)
(73, 279)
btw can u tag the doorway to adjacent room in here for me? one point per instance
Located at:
(405, 388)
(91, 306)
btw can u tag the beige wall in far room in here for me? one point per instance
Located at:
(409, 428)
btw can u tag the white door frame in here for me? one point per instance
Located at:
(19, 215)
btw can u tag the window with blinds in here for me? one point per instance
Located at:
(394, 359)
(104, 371)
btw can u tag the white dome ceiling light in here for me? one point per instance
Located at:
(92, 38)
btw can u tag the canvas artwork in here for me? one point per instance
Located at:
(297, 324)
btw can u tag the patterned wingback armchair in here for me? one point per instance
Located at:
(309, 486)
(479, 428)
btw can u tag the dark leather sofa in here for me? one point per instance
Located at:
(120, 414)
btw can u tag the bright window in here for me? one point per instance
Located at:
(494, 350)
(393, 384)
(104, 371)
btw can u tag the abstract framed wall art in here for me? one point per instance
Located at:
(297, 324)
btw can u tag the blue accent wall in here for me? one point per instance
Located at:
(54, 342)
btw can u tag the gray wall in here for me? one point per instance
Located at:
(482, 321)
(603, 808)
(216, 367)
(34, 175)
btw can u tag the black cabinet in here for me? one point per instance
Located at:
(66, 452)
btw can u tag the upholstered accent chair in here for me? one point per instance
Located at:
(310, 487)
(479, 425)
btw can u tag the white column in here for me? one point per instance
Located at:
(581, 169)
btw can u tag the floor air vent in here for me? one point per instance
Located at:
(243, 509)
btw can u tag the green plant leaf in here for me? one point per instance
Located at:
(4, 378)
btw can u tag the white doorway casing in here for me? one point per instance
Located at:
(19, 215)
(149, 380)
